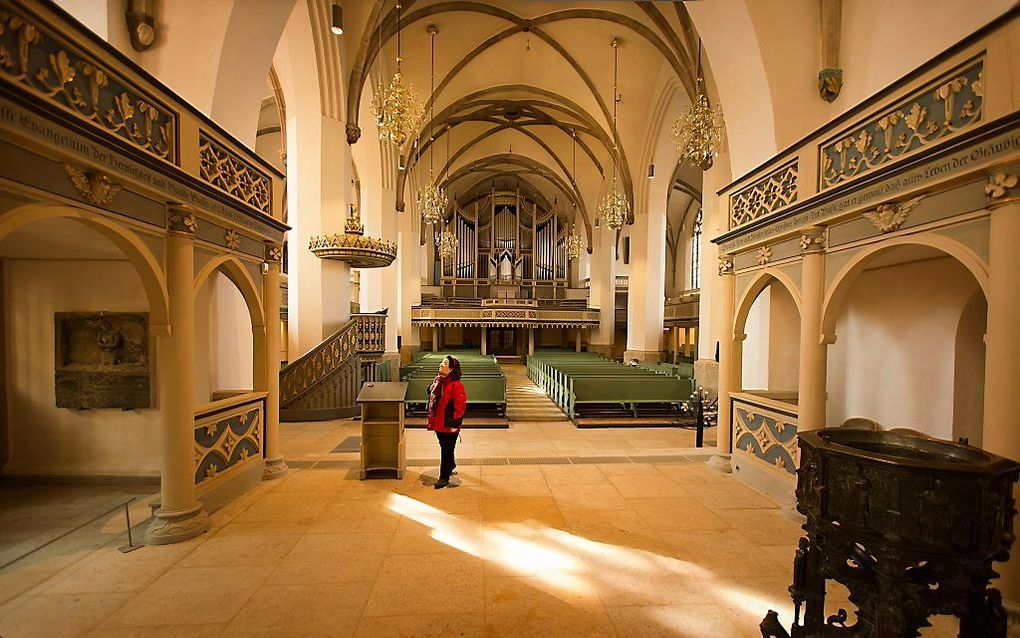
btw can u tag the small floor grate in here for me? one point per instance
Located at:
(592, 460)
(661, 459)
(349, 444)
(544, 460)
(332, 465)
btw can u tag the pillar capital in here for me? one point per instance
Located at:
(812, 239)
(181, 220)
(725, 264)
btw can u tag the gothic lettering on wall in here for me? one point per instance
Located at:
(102, 360)
(34, 57)
(949, 104)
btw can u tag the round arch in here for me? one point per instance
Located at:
(235, 271)
(842, 283)
(134, 249)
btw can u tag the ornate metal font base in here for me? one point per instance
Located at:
(909, 524)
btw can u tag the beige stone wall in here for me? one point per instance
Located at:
(893, 360)
(48, 440)
(223, 340)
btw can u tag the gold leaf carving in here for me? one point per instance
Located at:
(999, 184)
(94, 187)
(889, 217)
(915, 117)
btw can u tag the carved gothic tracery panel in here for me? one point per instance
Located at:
(769, 194)
(232, 175)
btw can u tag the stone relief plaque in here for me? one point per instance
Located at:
(102, 360)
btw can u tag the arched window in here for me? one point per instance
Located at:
(696, 252)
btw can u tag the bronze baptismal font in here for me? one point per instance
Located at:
(910, 525)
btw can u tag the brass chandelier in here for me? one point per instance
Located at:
(697, 132)
(432, 201)
(396, 108)
(573, 244)
(447, 244)
(614, 210)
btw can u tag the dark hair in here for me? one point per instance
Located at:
(454, 368)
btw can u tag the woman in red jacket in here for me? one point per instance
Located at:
(447, 402)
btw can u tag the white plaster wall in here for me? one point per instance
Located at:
(893, 360)
(48, 440)
(784, 340)
(755, 368)
(224, 348)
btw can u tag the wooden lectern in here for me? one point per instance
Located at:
(382, 427)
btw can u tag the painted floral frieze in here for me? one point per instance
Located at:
(34, 58)
(945, 106)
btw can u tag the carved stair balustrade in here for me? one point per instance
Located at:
(324, 382)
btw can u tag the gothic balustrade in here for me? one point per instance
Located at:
(229, 434)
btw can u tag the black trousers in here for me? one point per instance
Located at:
(447, 443)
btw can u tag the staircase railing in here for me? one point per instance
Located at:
(324, 383)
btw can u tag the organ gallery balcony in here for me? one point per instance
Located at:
(501, 312)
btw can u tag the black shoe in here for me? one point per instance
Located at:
(441, 483)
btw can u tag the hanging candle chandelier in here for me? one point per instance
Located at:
(697, 131)
(573, 244)
(432, 201)
(614, 210)
(396, 108)
(447, 244)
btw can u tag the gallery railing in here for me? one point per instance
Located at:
(324, 382)
(67, 74)
(229, 434)
(765, 430)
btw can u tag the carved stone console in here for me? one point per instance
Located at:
(909, 524)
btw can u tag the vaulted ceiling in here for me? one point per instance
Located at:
(523, 90)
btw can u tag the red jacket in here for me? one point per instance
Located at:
(449, 408)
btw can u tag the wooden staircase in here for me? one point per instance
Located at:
(525, 401)
(323, 383)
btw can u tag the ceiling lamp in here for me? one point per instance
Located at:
(432, 201)
(697, 132)
(447, 244)
(573, 244)
(396, 108)
(615, 208)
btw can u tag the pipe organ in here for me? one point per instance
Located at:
(505, 240)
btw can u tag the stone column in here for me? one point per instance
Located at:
(485, 335)
(275, 466)
(577, 339)
(676, 344)
(1002, 355)
(409, 263)
(646, 287)
(727, 382)
(180, 515)
(603, 290)
(811, 380)
(531, 341)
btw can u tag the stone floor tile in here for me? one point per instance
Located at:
(59, 615)
(588, 497)
(417, 584)
(286, 608)
(422, 626)
(647, 486)
(677, 513)
(199, 594)
(538, 607)
(676, 621)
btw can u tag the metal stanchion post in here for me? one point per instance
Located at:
(130, 547)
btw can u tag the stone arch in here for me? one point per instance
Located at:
(764, 279)
(234, 270)
(842, 283)
(137, 253)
